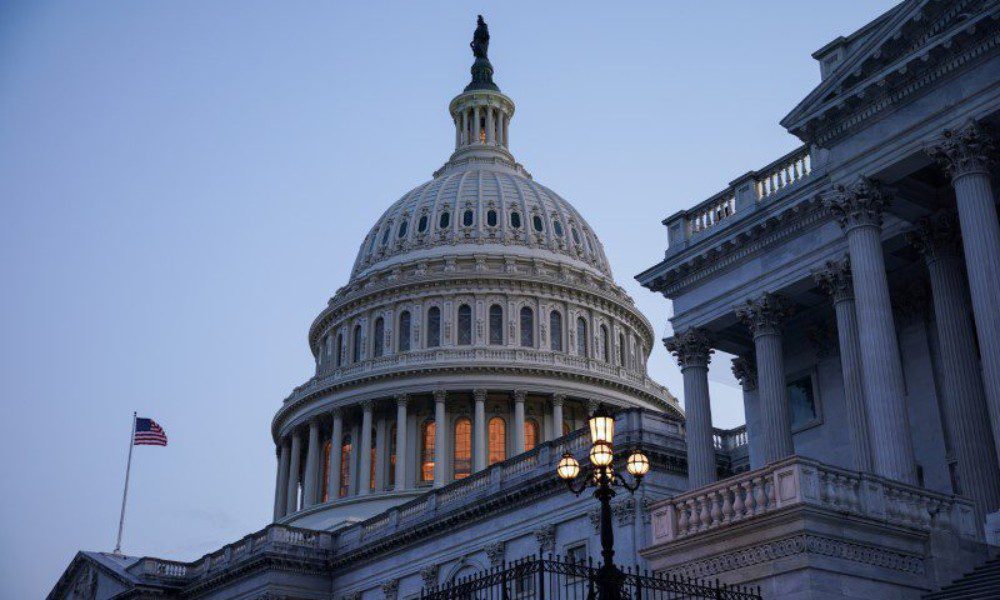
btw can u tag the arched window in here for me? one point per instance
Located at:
(605, 341)
(392, 456)
(498, 440)
(464, 325)
(325, 488)
(404, 331)
(530, 434)
(378, 344)
(621, 349)
(385, 233)
(371, 460)
(371, 245)
(427, 439)
(402, 229)
(445, 220)
(536, 222)
(576, 235)
(496, 325)
(527, 327)
(557, 227)
(581, 336)
(555, 331)
(515, 220)
(345, 465)
(422, 224)
(468, 217)
(491, 218)
(356, 350)
(463, 448)
(340, 349)
(434, 327)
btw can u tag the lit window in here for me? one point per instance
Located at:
(555, 331)
(530, 434)
(374, 453)
(422, 224)
(434, 327)
(467, 218)
(445, 220)
(491, 218)
(345, 465)
(527, 328)
(498, 440)
(566, 429)
(463, 448)
(536, 222)
(515, 220)
(496, 325)
(404, 331)
(464, 325)
(427, 452)
(581, 336)
(327, 449)
(379, 342)
(392, 456)
(402, 229)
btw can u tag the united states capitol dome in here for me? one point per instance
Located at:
(480, 323)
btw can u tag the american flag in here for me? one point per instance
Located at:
(148, 433)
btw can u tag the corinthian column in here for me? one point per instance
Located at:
(440, 437)
(693, 351)
(764, 317)
(745, 370)
(519, 396)
(365, 476)
(479, 430)
(858, 208)
(292, 497)
(336, 447)
(557, 415)
(312, 466)
(402, 401)
(281, 489)
(966, 154)
(964, 399)
(835, 280)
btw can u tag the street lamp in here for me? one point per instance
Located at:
(601, 475)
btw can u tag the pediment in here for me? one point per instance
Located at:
(891, 53)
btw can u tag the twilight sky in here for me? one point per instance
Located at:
(184, 185)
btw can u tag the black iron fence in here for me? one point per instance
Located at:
(555, 578)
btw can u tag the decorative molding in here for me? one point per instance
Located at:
(546, 538)
(495, 553)
(745, 370)
(692, 348)
(836, 280)
(860, 204)
(429, 576)
(766, 314)
(624, 512)
(968, 149)
(937, 236)
(595, 518)
(390, 589)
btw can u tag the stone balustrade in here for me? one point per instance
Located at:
(784, 172)
(719, 207)
(797, 481)
(730, 439)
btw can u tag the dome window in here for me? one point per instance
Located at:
(536, 222)
(576, 236)
(402, 229)
(445, 220)
(557, 227)
(422, 224)
(515, 220)
(491, 218)
(371, 246)
(468, 218)
(385, 235)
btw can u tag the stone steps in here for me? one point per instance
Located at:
(982, 583)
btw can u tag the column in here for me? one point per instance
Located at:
(836, 281)
(490, 130)
(693, 351)
(292, 497)
(336, 442)
(557, 415)
(519, 396)
(365, 449)
(966, 154)
(281, 488)
(963, 396)
(440, 437)
(465, 128)
(764, 316)
(312, 466)
(475, 125)
(402, 401)
(858, 208)
(506, 129)
(745, 371)
(381, 454)
(479, 430)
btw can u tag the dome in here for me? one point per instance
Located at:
(480, 323)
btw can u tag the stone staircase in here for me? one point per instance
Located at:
(981, 583)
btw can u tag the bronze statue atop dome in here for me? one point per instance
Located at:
(480, 43)
(482, 70)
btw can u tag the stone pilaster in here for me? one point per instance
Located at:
(835, 280)
(399, 477)
(858, 208)
(495, 553)
(479, 430)
(693, 351)
(519, 397)
(546, 538)
(764, 316)
(557, 415)
(440, 437)
(365, 449)
(966, 154)
(336, 441)
(281, 488)
(309, 488)
(963, 397)
(292, 497)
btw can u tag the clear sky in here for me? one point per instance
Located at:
(184, 185)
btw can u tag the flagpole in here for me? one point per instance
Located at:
(128, 469)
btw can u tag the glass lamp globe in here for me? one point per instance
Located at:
(601, 454)
(568, 467)
(602, 426)
(637, 464)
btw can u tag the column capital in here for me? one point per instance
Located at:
(520, 395)
(745, 370)
(765, 314)
(967, 149)
(692, 348)
(440, 395)
(336, 411)
(858, 204)
(936, 236)
(402, 399)
(558, 399)
(479, 395)
(368, 405)
(835, 279)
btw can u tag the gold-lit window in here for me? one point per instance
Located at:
(463, 448)
(345, 465)
(327, 450)
(498, 440)
(392, 456)
(530, 434)
(374, 453)
(427, 452)
(566, 429)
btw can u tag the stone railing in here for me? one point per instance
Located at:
(739, 197)
(730, 439)
(798, 481)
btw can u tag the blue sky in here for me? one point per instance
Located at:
(185, 184)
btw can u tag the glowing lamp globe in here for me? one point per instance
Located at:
(568, 467)
(602, 426)
(637, 464)
(601, 454)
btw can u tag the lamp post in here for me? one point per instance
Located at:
(601, 475)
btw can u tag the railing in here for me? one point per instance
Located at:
(718, 209)
(799, 481)
(786, 171)
(730, 439)
(555, 578)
